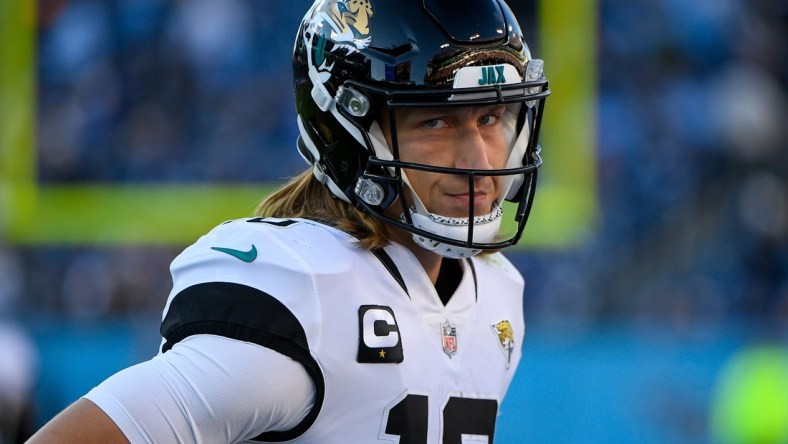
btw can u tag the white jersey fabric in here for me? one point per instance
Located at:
(388, 362)
(192, 394)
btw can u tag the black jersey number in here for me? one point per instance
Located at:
(461, 416)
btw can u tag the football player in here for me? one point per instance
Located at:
(368, 301)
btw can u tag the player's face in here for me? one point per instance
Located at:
(465, 138)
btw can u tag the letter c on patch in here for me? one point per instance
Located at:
(380, 328)
(380, 341)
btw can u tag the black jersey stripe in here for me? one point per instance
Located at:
(391, 267)
(247, 314)
(475, 282)
(280, 223)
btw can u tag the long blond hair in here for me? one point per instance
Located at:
(304, 197)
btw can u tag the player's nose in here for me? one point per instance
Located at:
(471, 150)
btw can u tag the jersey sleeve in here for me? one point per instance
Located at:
(207, 389)
(247, 280)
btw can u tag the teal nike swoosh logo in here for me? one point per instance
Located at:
(246, 256)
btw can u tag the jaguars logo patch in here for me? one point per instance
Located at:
(505, 334)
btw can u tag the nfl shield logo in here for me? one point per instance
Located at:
(449, 334)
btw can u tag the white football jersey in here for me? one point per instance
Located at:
(389, 361)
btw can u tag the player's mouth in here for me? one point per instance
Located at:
(480, 202)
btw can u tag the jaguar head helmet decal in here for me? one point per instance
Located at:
(356, 14)
(348, 21)
(335, 25)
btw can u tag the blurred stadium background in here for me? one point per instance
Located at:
(656, 265)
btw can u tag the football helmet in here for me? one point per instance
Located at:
(355, 61)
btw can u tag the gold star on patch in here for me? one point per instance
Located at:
(382, 353)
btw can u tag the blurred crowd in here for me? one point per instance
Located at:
(692, 161)
(691, 155)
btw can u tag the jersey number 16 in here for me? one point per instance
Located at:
(407, 419)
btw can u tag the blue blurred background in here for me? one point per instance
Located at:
(631, 332)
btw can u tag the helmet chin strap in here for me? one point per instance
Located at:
(485, 228)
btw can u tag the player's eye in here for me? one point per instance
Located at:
(434, 123)
(490, 119)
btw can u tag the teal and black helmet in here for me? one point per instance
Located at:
(356, 60)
